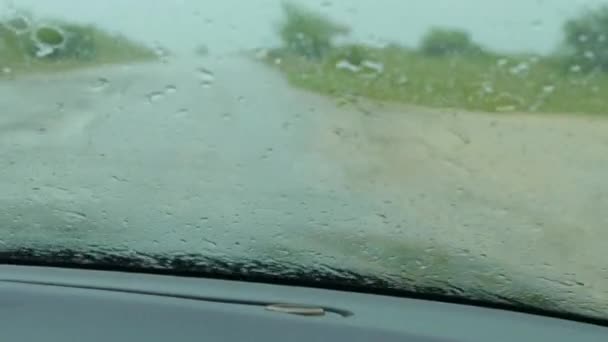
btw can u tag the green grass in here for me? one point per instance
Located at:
(80, 46)
(485, 82)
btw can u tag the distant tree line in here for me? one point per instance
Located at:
(310, 34)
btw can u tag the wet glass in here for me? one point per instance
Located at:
(459, 146)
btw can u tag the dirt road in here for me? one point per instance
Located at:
(523, 188)
(222, 157)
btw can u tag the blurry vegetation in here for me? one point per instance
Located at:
(586, 40)
(308, 33)
(355, 54)
(449, 69)
(28, 45)
(441, 42)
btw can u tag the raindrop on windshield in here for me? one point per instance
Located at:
(549, 89)
(48, 40)
(162, 53)
(155, 96)
(100, 84)
(205, 77)
(170, 89)
(182, 113)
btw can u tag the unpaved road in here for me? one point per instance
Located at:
(527, 189)
(220, 156)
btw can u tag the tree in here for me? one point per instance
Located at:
(439, 42)
(308, 33)
(586, 40)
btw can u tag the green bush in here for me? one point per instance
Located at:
(586, 40)
(49, 35)
(308, 33)
(25, 44)
(80, 43)
(11, 46)
(62, 42)
(440, 42)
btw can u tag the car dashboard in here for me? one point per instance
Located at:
(56, 304)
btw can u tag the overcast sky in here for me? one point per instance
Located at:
(225, 25)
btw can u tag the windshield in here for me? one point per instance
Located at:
(433, 146)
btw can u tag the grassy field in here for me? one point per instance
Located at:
(484, 82)
(55, 46)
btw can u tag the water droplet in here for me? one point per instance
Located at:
(549, 89)
(182, 113)
(520, 69)
(161, 53)
(589, 54)
(73, 216)
(47, 40)
(210, 243)
(44, 50)
(100, 84)
(205, 77)
(155, 96)
(119, 179)
(347, 66)
(170, 89)
(51, 36)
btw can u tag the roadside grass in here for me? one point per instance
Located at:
(79, 46)
(484, 82)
